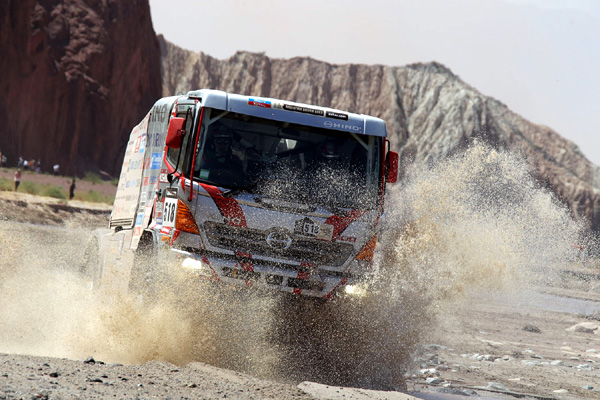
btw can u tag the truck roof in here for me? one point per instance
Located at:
(298, 113)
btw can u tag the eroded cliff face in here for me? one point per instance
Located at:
(430, 112)
(77, 75)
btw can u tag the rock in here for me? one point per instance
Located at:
(454, 391)
(435, 347)
(429, 371)
(584, 327)
(557, 362)
(496, 386)
(532, 328)
(89, 360)
(560, 391)
(530, 363)
(588, 387)
(586, 367)
(434, 380)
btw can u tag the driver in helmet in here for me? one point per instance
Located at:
(218, 162)
(218, 153)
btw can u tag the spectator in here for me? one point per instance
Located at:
(20, 162)
(17, 178)
(72, 189)
(55, 168)
(3, 160)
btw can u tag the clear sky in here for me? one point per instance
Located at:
(539, 57)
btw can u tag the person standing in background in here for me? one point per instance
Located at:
(17, 178)
(72, 189)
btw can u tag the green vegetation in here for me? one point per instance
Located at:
(57, 192)
(6, 184)
(54, 191)
(30, 187)
(94, 197)
(92, 177)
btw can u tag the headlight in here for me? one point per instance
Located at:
(197, 266)
(356, 290)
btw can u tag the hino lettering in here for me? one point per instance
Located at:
(337, 125)
(237, 190)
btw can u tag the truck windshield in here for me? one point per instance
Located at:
(290, 162)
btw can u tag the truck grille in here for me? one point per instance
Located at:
(254, 241)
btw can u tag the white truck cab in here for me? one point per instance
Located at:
(256, 191)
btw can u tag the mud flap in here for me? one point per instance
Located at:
(116, 260)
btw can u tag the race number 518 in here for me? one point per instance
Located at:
(170, 209)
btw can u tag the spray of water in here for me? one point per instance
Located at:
(476, 221)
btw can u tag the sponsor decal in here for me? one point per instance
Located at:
(143, 143)
(139, 219)
(341, 125)
(146, 181)
(259, 102)
(163, 178)
(204, 173)
(158, 113)
(305, 110)
(156, 160)
(154, 139)
(350, 239)
(336, 115)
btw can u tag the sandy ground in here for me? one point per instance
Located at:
(539, 342)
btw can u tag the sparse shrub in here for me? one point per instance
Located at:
(92, 177)
(54, 191)
(6, 184)
(29, 187)
(95, 197)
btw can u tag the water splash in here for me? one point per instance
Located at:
(476, 221)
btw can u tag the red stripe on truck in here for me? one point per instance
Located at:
(228, 207)
(341, 222)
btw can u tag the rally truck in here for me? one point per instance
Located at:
(251, 191)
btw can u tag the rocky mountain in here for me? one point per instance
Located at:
(77, 75)
(430, 112)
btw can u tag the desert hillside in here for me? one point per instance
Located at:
(430, 112)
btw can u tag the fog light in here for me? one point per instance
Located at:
(356, 290)
(197, 266)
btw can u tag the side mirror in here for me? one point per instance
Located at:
(175, 133)
(391, 167)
